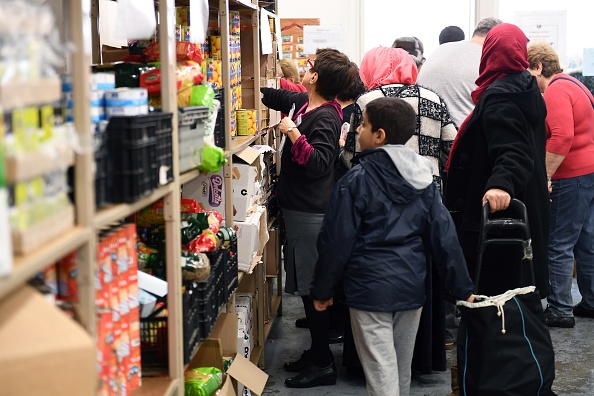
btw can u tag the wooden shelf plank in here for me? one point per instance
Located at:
(156, 386)
(28, 93)
(241, 142)
(36, 163)
(26, 266)
(256, 354)
(188, 176)
(116, 212)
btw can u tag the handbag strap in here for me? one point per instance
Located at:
(576, 83)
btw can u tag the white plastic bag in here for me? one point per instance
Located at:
(136, 19)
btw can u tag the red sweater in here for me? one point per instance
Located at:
(286, 84)
(570, 126)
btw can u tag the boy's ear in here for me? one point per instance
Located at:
(380, 137)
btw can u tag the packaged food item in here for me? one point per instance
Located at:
(202, 381)
(195, 267)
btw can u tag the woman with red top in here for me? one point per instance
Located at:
(570, 171)
(305, 186)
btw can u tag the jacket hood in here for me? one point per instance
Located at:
(519, 88)
(403, 182)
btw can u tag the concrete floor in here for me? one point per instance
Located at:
(574, 359)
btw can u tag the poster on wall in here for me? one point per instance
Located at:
(292, 33)
(315, 37)
(549, 26)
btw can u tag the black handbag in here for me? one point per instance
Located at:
(504, 345)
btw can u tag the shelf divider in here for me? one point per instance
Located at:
(27, 266)
(116, 212)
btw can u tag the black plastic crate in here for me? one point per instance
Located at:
(130, 186)
(164, 150)
(131, 129)
(154, 342)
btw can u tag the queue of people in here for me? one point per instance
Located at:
(367, 219)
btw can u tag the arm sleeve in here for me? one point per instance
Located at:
(446, 253)
(336, 239)
(323, 137)
(560, 121)
(282, 99)
(447, 134)
(509, 148)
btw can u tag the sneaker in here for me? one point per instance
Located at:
(583, 312)
(554, 320)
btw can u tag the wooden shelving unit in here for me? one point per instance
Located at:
(83, 236)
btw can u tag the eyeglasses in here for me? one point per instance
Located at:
(310, 63)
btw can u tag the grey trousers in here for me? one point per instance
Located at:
(385, 342)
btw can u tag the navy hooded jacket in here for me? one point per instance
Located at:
(384, 215)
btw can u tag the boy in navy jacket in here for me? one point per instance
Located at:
(384, 227)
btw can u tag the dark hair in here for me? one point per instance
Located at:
(395, 116)
(413, 46)
(354, 90)
(335, 72)
(450, 34)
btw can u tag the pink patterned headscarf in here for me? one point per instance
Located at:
(383, 66)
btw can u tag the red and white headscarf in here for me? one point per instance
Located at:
(383, 66)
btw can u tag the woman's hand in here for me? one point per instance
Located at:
(321, 306)
(285, 124)
(498, 199)
(470, 299)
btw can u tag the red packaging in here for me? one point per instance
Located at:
(67, 278)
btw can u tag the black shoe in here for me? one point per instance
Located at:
(554, 320)
(300, 364)
(335, 337)
(313, 376)
(583, 312)
(302, 323)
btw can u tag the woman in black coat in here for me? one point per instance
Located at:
(499, 154)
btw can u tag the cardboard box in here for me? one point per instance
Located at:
(112, 54)
(223, 342)
(208, 189)
(43, 352)
(272, 252)
(252, 235)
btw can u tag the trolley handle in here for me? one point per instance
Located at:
(514, 217)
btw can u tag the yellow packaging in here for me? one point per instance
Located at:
(182, 16)
(186, 36)
(234, 22)
(47, 122)
(247, 122)
(242, 122)
(25, 124)
(215, 47)
(212, 70)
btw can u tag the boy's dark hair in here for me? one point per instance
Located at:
(395, 116)
(335, 72)
(450, 34)
(354, 90)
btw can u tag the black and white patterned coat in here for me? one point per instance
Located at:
(434, 132)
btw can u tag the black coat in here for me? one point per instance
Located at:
(503, 146)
